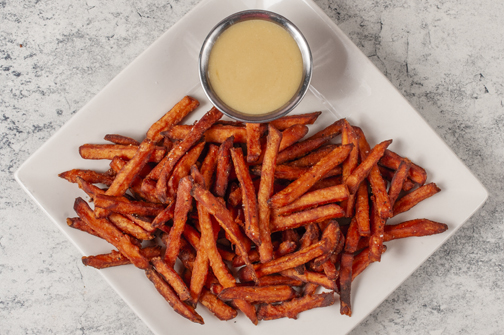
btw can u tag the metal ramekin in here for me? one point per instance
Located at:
(255, 15)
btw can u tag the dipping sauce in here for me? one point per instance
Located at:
(255, 67)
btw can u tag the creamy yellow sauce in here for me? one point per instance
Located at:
(255, 67)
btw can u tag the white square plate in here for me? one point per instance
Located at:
(345, 84)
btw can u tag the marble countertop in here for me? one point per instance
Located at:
(56, 55)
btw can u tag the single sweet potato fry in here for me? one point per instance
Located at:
(295, 220)
(292, 134)
(129, 227)
(311, 277)
(265, 192)
(218, 133)
(183, 205)
(171, 278)
(416, 227)
(115, 258)
(397, 182)
(293, 172)
(224, 167)
(109, 151)
(171, 297)
(111, 234)
(171, 118)
(295, 306)
(313, 157)
(249, 198)
(377, 231)
(124, 206)
(362, 261)
(364, 168)
(300, 149)
(331, 131)
(89, 176)
(261, 294)
(253, 141)
(79, 224)
(348, 136)
(121, 139)
(414, 197)
(345, 283)
(290, 120)
(379, 190)
(362, 209)
(352, 237)
(316, 198)
(298, 187)
(219, 308)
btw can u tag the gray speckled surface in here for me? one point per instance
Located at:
(445, 57)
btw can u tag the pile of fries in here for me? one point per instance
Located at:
(262, 219)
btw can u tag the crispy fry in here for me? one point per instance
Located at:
(218, 133)
(263, 294)
(109, 151)
(292, 134)
(171, 297)
(249, 198)
(129, 227)
(180, 149)
(293, 307)
(417, 227)
(364, 168)
(313, 157)
(223, 167)
(253, 141)
(171, 278)
(111, 234)
(411, 199)
(352, 237)
(379, 189)
(290, 120)
(397, 182)
(298, 187)
(295, 220)
(293, 172)
(331, 131)
(183, 167)
(216, 306)
(316, 198)
(345, 282)
(362, 209)
(123, 206)
(121, 139)
(115, 258)
(377, 230)
(182, 206)
(89, 176)
(265, 192)
(79, 224)
(311, 277)
(300, 149)
(348, 136)
(172, 117)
